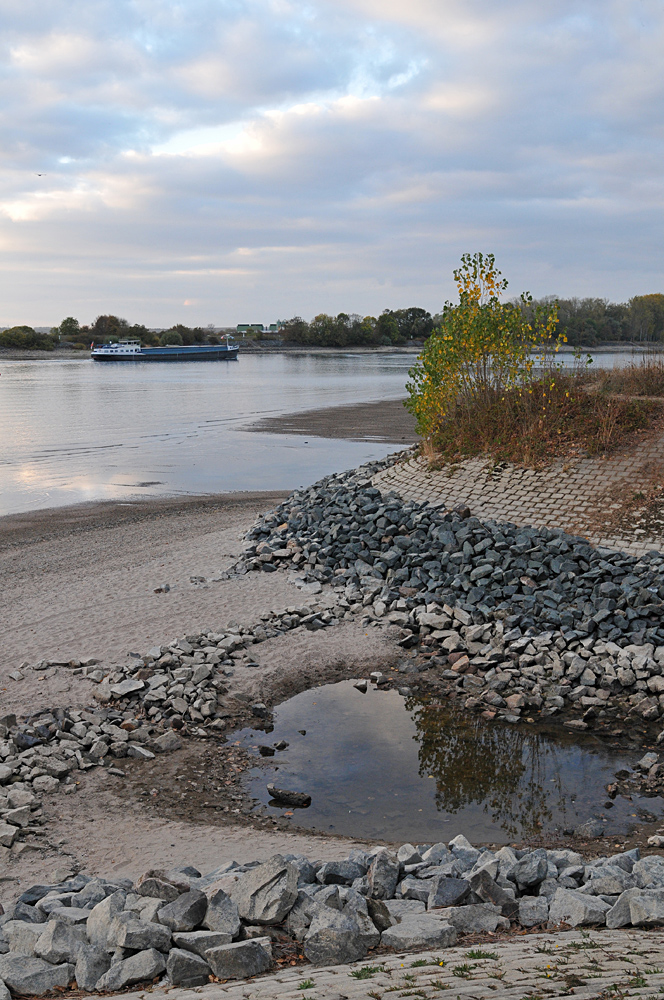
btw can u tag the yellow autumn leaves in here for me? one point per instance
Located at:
(483, 348)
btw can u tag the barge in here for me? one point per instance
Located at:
(131, 350)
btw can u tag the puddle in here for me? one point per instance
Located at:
(378, 765)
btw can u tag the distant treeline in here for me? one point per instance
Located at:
(582, 321)
(391, 327)
(598, 321)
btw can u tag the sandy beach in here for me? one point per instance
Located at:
(80, 582)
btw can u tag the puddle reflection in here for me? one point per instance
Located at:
(379, 766)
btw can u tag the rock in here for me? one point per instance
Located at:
(184, 968)
(168, 741)
(333, 939)
(620, 914)
(159, 884)
(300, 800)
(4, 992)
(340, 872)
(590, 830)
(415, 888)
(476, 918)
(408, 855)
(241, 959)
(483, 885)
(383, 875)
(530, 870)
(21, 936)
(69, 914)
(140, 753)
(33, 976)
(127, 931)
(102, 916)
(30, 914)
(419, 930)
(222, 914)
(265, 894)
(647, 909)
(138, 968)
(60, 942)
(576, 909)
(91, 965)
(447, 891)
(379, 913)
(200, 942)
(8, 834)
(186, 912)
(126, 687)
(45, 784)
(533, 910)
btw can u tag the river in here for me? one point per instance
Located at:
(73, 431)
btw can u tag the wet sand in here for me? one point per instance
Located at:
(383, 420)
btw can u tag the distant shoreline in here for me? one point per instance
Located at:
(250, 347)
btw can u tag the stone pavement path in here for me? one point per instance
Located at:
(607, 965)
(612, 501)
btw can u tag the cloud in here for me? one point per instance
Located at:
(291, 157)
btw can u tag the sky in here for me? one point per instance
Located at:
(227, 161)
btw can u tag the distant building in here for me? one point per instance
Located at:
(258, 328)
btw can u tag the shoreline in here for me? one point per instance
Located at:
(249, 347)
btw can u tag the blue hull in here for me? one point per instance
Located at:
(200, 353)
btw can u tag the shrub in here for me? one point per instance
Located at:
(27, 338)
(482, 349)
(171, 338)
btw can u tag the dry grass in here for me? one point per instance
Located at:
(643, 378)
(550, 417)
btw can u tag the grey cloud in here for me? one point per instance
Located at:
(384, 140)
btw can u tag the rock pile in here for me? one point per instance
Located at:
(522, 617)
(188, 678)
(107, 934)
(46, 753)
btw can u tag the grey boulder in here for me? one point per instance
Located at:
(222, 914)
(137, 968)
(33, 976)
(241, 959)
(60, 942)
(184, 968)
(647, 909)
(128, 931)
(186, 912)
(383, 875)
(200, 942)
(91, 965)
(530, 870)
(333, 938)
(476, 918)
(102, 916)
(576, 909)
(447, 892)
(533, 910)
(620, 914)
(265, 894)
(419, 930)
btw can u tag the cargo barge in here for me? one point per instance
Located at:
(131, 350)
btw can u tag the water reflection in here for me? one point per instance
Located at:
(513, 773)
(73, 431)
(377, 765)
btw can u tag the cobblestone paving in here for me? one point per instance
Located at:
(604, 964)
(601, 499)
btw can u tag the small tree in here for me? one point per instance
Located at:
(171, 338)
(69, 329)
(482, 348)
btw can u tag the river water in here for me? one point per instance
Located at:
(72, 431)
